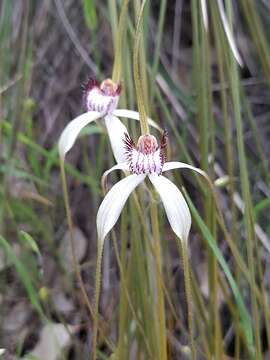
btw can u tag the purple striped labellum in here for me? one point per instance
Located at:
(147, 157)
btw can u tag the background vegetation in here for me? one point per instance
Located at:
(217, 116)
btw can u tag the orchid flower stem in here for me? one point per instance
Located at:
(182, 246)
(123, 303)
(125, 288)
(186, 272)
(160, 297)
(145, 232)
(201, 319)
(72, 241)
(141, 263)
(137, 79)
(97, 296)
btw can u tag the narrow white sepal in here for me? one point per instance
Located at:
(171, 165)
(72, 130)
(175, 205)
(116, 131)
(204, 14)
(229, 33)
(130, 114)
(113, 203)
(122, 166)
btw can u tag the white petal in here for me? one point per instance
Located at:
(116, 130)
(170, 165)
(72, 130)
(175, 205)
(130, 114)
(229, 33)
(123, 166)
(113, 203)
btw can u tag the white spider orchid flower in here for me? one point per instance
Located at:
(101, 102)
(147, 159)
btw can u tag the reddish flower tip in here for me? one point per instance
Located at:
(129, 143)
(90, 84)
(163, 140)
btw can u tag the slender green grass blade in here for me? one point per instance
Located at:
(246, 323)
(90, 15)
(24, 276)
(31, 242)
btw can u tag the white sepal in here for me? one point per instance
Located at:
(229, 33)
(171, 165)
(130, 114)
(113, 203)
(122, 166)
(175, 205)
(72, 130)
(116, 131)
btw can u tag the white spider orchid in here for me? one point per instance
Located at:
(147, 159)
(100, 101)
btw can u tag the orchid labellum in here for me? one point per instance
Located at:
(101, 102)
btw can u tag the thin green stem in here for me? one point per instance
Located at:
(160, 297)
(182, 246)
(123, 304)
(76, 268)
(112, 6)
(136, 71)
(124, 288)
(72, 240)
(117, 66)
(97, 296)
(161, 20)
